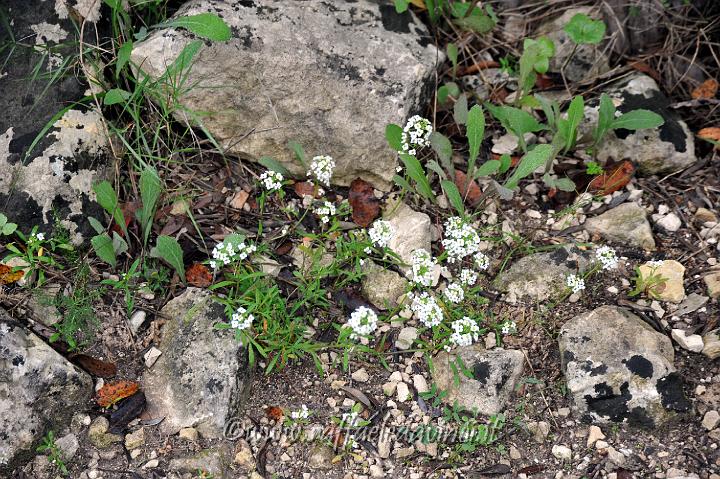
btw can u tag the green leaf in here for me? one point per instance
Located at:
(568, 128)
(96, 225)
(505, 162)
(564, 184)
(488, 168)
(103, 246)
(299, 152)
(107, 198)
(274, 165)
(460, 110)
(393, 135)
(119, 245)
(417, 173)
(453, 194)
(115, 96)
(169, 250)
(205, 25)
(584, 30)
(452, 53)
(450, 89)
(475, 134)
(637, 120)
(3, 220)
(123, 56)
(477, 22)
(533, 160)
(402, 183)
(442, 147)
(401, 5)
(150, 190)
(433, 165)
(8, 229)
(606, 116)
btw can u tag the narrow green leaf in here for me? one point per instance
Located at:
(564, 184)
(638, 120)
(533, 160)
(452, 53)
(475, 134)
(606, 115)
(433, 165)
(575, 114)
(107, 198)
(299, 152)
(460, 110)
(417, 173)
(123, 56)
(402, 183)
(488, 168)
(150, 190)
(274, 165)
(169, 250)
(119, 245)
(393, 135)
(505, 162)
(205, 25)
(453, 194)
(3, 220)
(103, 246)
(442, 146)
(401, 5)
(115, 96)
(96, 225)
(477, 22)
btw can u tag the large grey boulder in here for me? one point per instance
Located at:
(666, 149)
(329, 75)
(52, 182)
(39, 391)
(494, 372)
(541, 276)
(625, 224)
(202, 378)
(618, 368)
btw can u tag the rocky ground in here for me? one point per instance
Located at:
(595, 310)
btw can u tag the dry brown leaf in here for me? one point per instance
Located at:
(239, 200)
(365, 207)
(473, 193)
(198, 275)
(111, 393)
(614, 178)
(7, 276)
(711, 133)
(706, 90)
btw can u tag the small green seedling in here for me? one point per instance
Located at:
(53, 451)
(6, 228)
(633, 120)
(583, 30)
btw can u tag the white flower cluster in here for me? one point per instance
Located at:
(321, 167)
(654, 264)
(363, 321)
(271, 180)
(325, 211)
(454, 292)
(575, 283)
(350, 419)
(482, 262)
(607, 257)
(241, 319)
(509, 327)
(465, 332)
(426, 309)
(303, 413)
(228, 251)
(422, 267)
(36, 238)
(460, 240)
(381, 232)
(416, 134)
(468, 277)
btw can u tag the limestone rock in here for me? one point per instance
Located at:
(37, 386)
(98, 433)
(711, 344)
(672, 289)
(412, 231)
(321, 457)
(712, 281)
(666, 149)
(587, 61)
(540, 276)
(406, 337)
(54, 180)
(618, 368)
(202, 377)
(295, 71)
(494, 372)
(214, 462)
(691, 342)
(625, 224)
(382, 286)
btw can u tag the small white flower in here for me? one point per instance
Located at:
(350, 419)
(363, 321)
(40, 236)
(655, 263)
(271, 180)
(426, 309)
(381, 232)
(465, 332)
(509, 327)
(325, 211)
(482, 262)
(423, 265)
(416, 134)
(321, 167)
(454, 292)
(303, 413)
(241, 319)
(607, 257)
(575, 283)
(231, 250)
(468, 277)
(460, 239)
